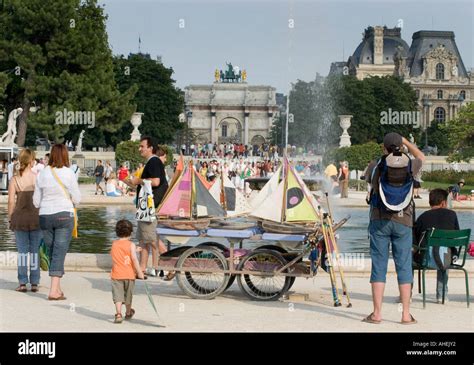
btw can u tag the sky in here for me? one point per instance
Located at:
(276, 41)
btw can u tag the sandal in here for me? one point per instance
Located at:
(411, 321)
(170, 276)
(369, 319)
(34, 288)
(118, 318)
(129, 316)
(62, 297)
(22, 288)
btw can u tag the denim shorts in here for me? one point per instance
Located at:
(382, 233)
(57, 235)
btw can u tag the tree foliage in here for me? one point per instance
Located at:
(58, 57)
(366, 99)
(358, 156)
(316, 106)
(460, 132)
(157, 96)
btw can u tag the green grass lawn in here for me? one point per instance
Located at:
(433, 185)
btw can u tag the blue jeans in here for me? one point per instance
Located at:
(382, 233)
(57, 233)
(27, 243)
(439, 284)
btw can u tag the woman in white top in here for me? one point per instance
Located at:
(56, 194)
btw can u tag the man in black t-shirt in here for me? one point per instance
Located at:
(154, 171)
(440, 218)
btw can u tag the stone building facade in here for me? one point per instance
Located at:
(434, 68)
(230, 112)
(432, 65)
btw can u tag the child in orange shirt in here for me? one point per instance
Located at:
(125, 268)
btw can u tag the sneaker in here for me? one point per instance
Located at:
(151, 272)
(118, 318)
(440, 300)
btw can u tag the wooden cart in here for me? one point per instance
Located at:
(265, 273)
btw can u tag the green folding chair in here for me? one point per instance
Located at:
(458, 239)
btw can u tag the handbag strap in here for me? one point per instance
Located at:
(61, 184)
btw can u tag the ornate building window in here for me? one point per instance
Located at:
(440, 114)
(462, 95)
(417, 93)
(440, 94)
(439, 71)
(224, 129)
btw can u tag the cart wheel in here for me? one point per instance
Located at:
(202, 285)
(231, 281)
(292, 281)
(261, 287)
(217, 245)
(223, 249)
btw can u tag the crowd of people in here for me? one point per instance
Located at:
(43, 195)
(233, 150)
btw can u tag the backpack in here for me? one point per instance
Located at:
(439, 257)
(395, 183)
(436, 257)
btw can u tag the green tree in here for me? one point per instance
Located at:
(437, 137)
(60, 57)
(366, 99)
(460, 133)
(157, 96)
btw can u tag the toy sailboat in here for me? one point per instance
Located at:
(286, 206)
(187, 203)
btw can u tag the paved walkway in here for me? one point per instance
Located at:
(89, 307)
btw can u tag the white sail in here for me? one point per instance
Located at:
(236, 203)
(270, 209)
(215, 189)
(267, 190)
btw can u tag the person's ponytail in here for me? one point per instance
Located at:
(26, 156)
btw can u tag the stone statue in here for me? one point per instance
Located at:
(247, 95)
(213, 94)
(270, 95)
(79, 141)
(412, 139)
(8, 138)
(454, 70)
